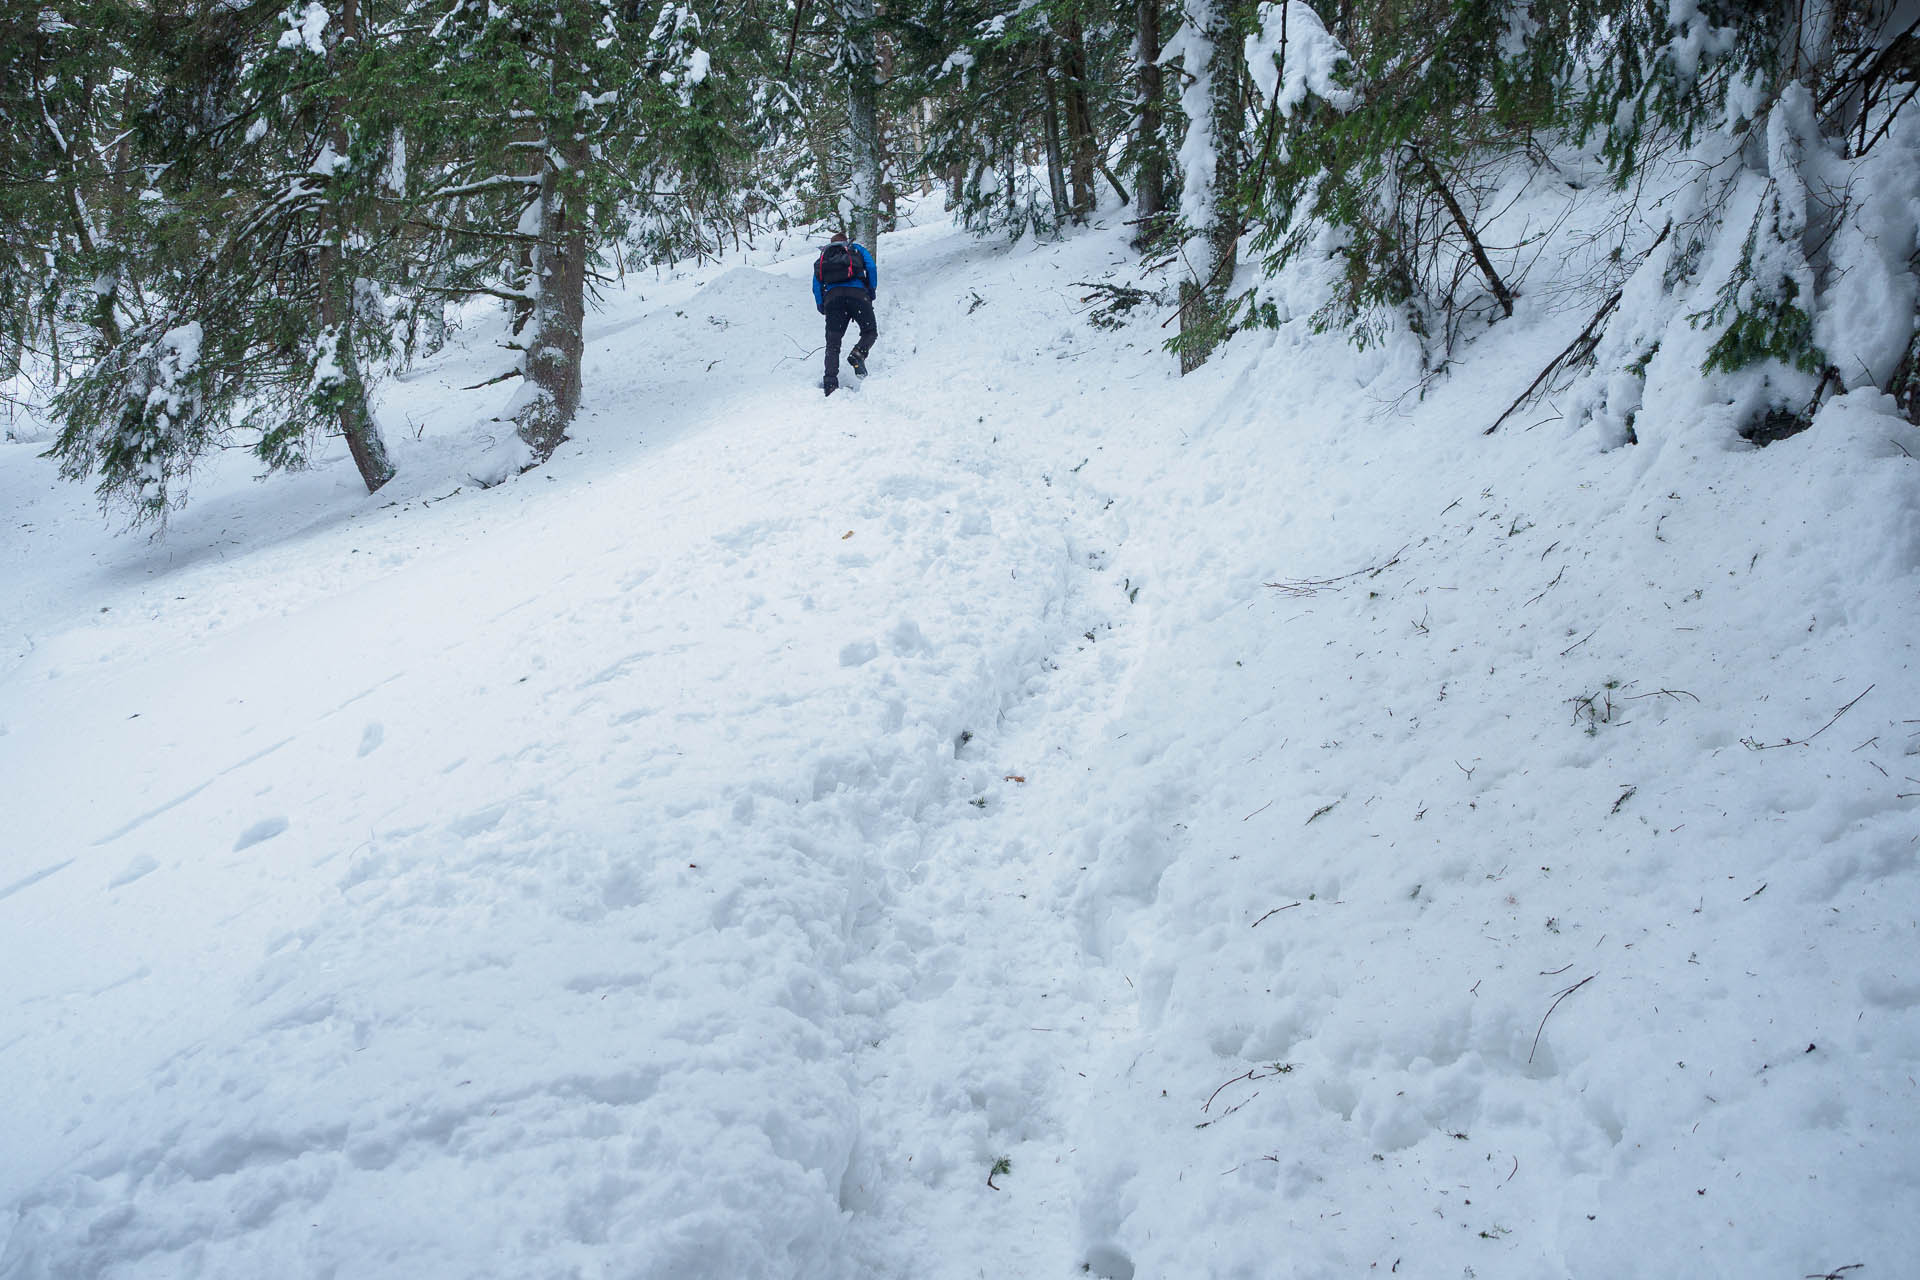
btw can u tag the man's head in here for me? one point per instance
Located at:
(839, 237)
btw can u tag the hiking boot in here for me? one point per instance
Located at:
(858, 359)
(829, 388)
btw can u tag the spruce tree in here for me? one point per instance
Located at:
(1211, 160)
(261, 274)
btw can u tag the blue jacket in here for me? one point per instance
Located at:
(871, 286)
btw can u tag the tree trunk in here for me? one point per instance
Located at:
(559, 284)
(1082, 152)
(1501, 293)
(1213, 105)
(863, 121)
(1150, 172)
(889, 197)
(1056, 173)
(353, 415)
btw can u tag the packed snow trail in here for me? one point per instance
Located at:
(573, 847)
(1281, 831)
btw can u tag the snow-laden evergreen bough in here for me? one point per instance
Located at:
(1749, 166)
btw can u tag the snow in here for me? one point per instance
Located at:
(305, 28)
(1292, 56)
(1197, 159)
(1293, 831)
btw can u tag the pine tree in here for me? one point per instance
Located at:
(859, 62)
(66, 79)
(1784, 121)
(1211, 158)
(569, 118)
(1019, 96)
(1149, 148)
(260, 274)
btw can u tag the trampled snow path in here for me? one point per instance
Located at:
(625, 898)
(711, 854)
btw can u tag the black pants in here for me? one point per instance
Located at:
(845, 306)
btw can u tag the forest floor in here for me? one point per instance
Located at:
(1279, 828)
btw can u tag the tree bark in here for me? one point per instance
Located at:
(1500, 292)
(1056, 175)
(1082, 152)
(1213, 104)
(353, 415)
(559, 281)
(1150, 173)
(863, 120)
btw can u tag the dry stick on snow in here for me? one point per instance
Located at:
(1314, 586)
(1577, 351)
(1577, 643)
(502, 377)
(1229, 1111)
(1675, 694)
(1252, 1073)
(1751, 745)
(1551, 585)
(1276, 911)
(1573, 353)
(1555, 1005)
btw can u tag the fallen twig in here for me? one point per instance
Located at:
(1252, 1073)
(1551, 585)
(1751, 745)
(1290, 906)
(1576, 352)
(1555, 1005)
(1313, 586)
(511, 373)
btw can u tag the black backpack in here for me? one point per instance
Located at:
(839, 264)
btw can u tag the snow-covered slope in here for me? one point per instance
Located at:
(1284, 830)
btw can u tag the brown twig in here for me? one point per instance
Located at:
(1578, 350)
(1577, 643)
(1555, 1005)
(1313, 586)
(1751, 745)
(1675, 694)
(1276, 911)
(1252, 1073)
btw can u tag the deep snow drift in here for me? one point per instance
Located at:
(1284, 830)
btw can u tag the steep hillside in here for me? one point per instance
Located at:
(1279, 828)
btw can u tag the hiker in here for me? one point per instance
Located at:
(844, 279)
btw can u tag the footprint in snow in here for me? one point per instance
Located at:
(140, 866)
(265, 829)
(371, 737)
